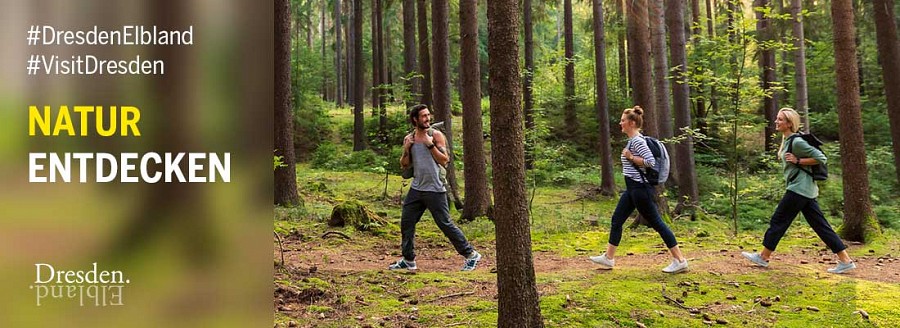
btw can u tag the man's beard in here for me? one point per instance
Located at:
(422, 126)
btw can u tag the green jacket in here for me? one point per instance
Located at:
(803, 184)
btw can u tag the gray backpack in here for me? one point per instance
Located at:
(659, 173)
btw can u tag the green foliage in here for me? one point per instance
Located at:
(278, 161)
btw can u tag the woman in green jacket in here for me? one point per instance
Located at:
(800, 196)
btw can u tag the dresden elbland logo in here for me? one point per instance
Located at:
(92, 287)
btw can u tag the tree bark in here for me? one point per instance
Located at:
(623, 57)
(570, 116)
(376, 62)
(688, 194)
(711, 31)
(767, 68)
(359, 126)
(382, 71)
(695, 19)
(889, 56)
(601, 103)
(440, 62)
(323, 31)
(526, 88)
(285, 176)
(801, 99)
(409, 49)
(859, 220)
(424, 55)
(639, 36)
(477, 198)
(660, 70)
(516, 290)
(351, 55)
(338, 82)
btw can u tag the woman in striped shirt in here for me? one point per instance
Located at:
(639, 194)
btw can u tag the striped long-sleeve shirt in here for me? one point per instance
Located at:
(638, 147)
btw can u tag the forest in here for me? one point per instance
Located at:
(526, 97)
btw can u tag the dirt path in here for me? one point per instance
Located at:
(441, 258)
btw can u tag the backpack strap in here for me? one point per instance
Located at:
(799, 167)
(643, 176)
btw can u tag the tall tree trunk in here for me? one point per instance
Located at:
(526, 87)
(570, 115)
(516, 289)
(285, 176)
(376, 62)
(801, 99)
(601, 103)
(386, 55)
(440, 42)
(477, 197)
(323, 27)
(351, 54)
(382, 79)
(309, 29)
(409, 49)
(639, 31)
(424, 55)
(338, 82)
(702, 112)
(695, 20)
(660, 70)
(359, 125)
(859, 220)
(711, 31)
(688, 194)
(889, 56)
(623, 57)
(767, 68)
(639, 44)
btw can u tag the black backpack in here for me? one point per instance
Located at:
(819, 172)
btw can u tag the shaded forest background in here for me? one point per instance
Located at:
(726, 49)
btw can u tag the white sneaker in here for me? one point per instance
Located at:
(603, 261)
(756, 258)
(676, 266)
(843, 267)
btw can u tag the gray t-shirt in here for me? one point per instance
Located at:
(427, 174)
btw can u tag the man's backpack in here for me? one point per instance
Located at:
(658, 173)
(819, 172)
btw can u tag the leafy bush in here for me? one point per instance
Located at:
(312, 125)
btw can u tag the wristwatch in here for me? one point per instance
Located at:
(431, 146)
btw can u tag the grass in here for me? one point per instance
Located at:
(576, 295)
(573, 297)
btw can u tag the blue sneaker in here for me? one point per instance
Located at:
(472, 261)
(843, 267)
(403, 264)
(756, 259)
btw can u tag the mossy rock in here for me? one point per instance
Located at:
(355, 214)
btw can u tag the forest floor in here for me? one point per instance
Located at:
(343, 281)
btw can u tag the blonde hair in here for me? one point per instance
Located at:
(636, 115)
(794, 118)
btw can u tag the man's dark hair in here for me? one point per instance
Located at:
(414, 112)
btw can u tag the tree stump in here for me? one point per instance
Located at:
(356, 215)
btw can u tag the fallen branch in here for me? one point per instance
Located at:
(280, 247)
(451, 295)
(336, 233)
(670, 299)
